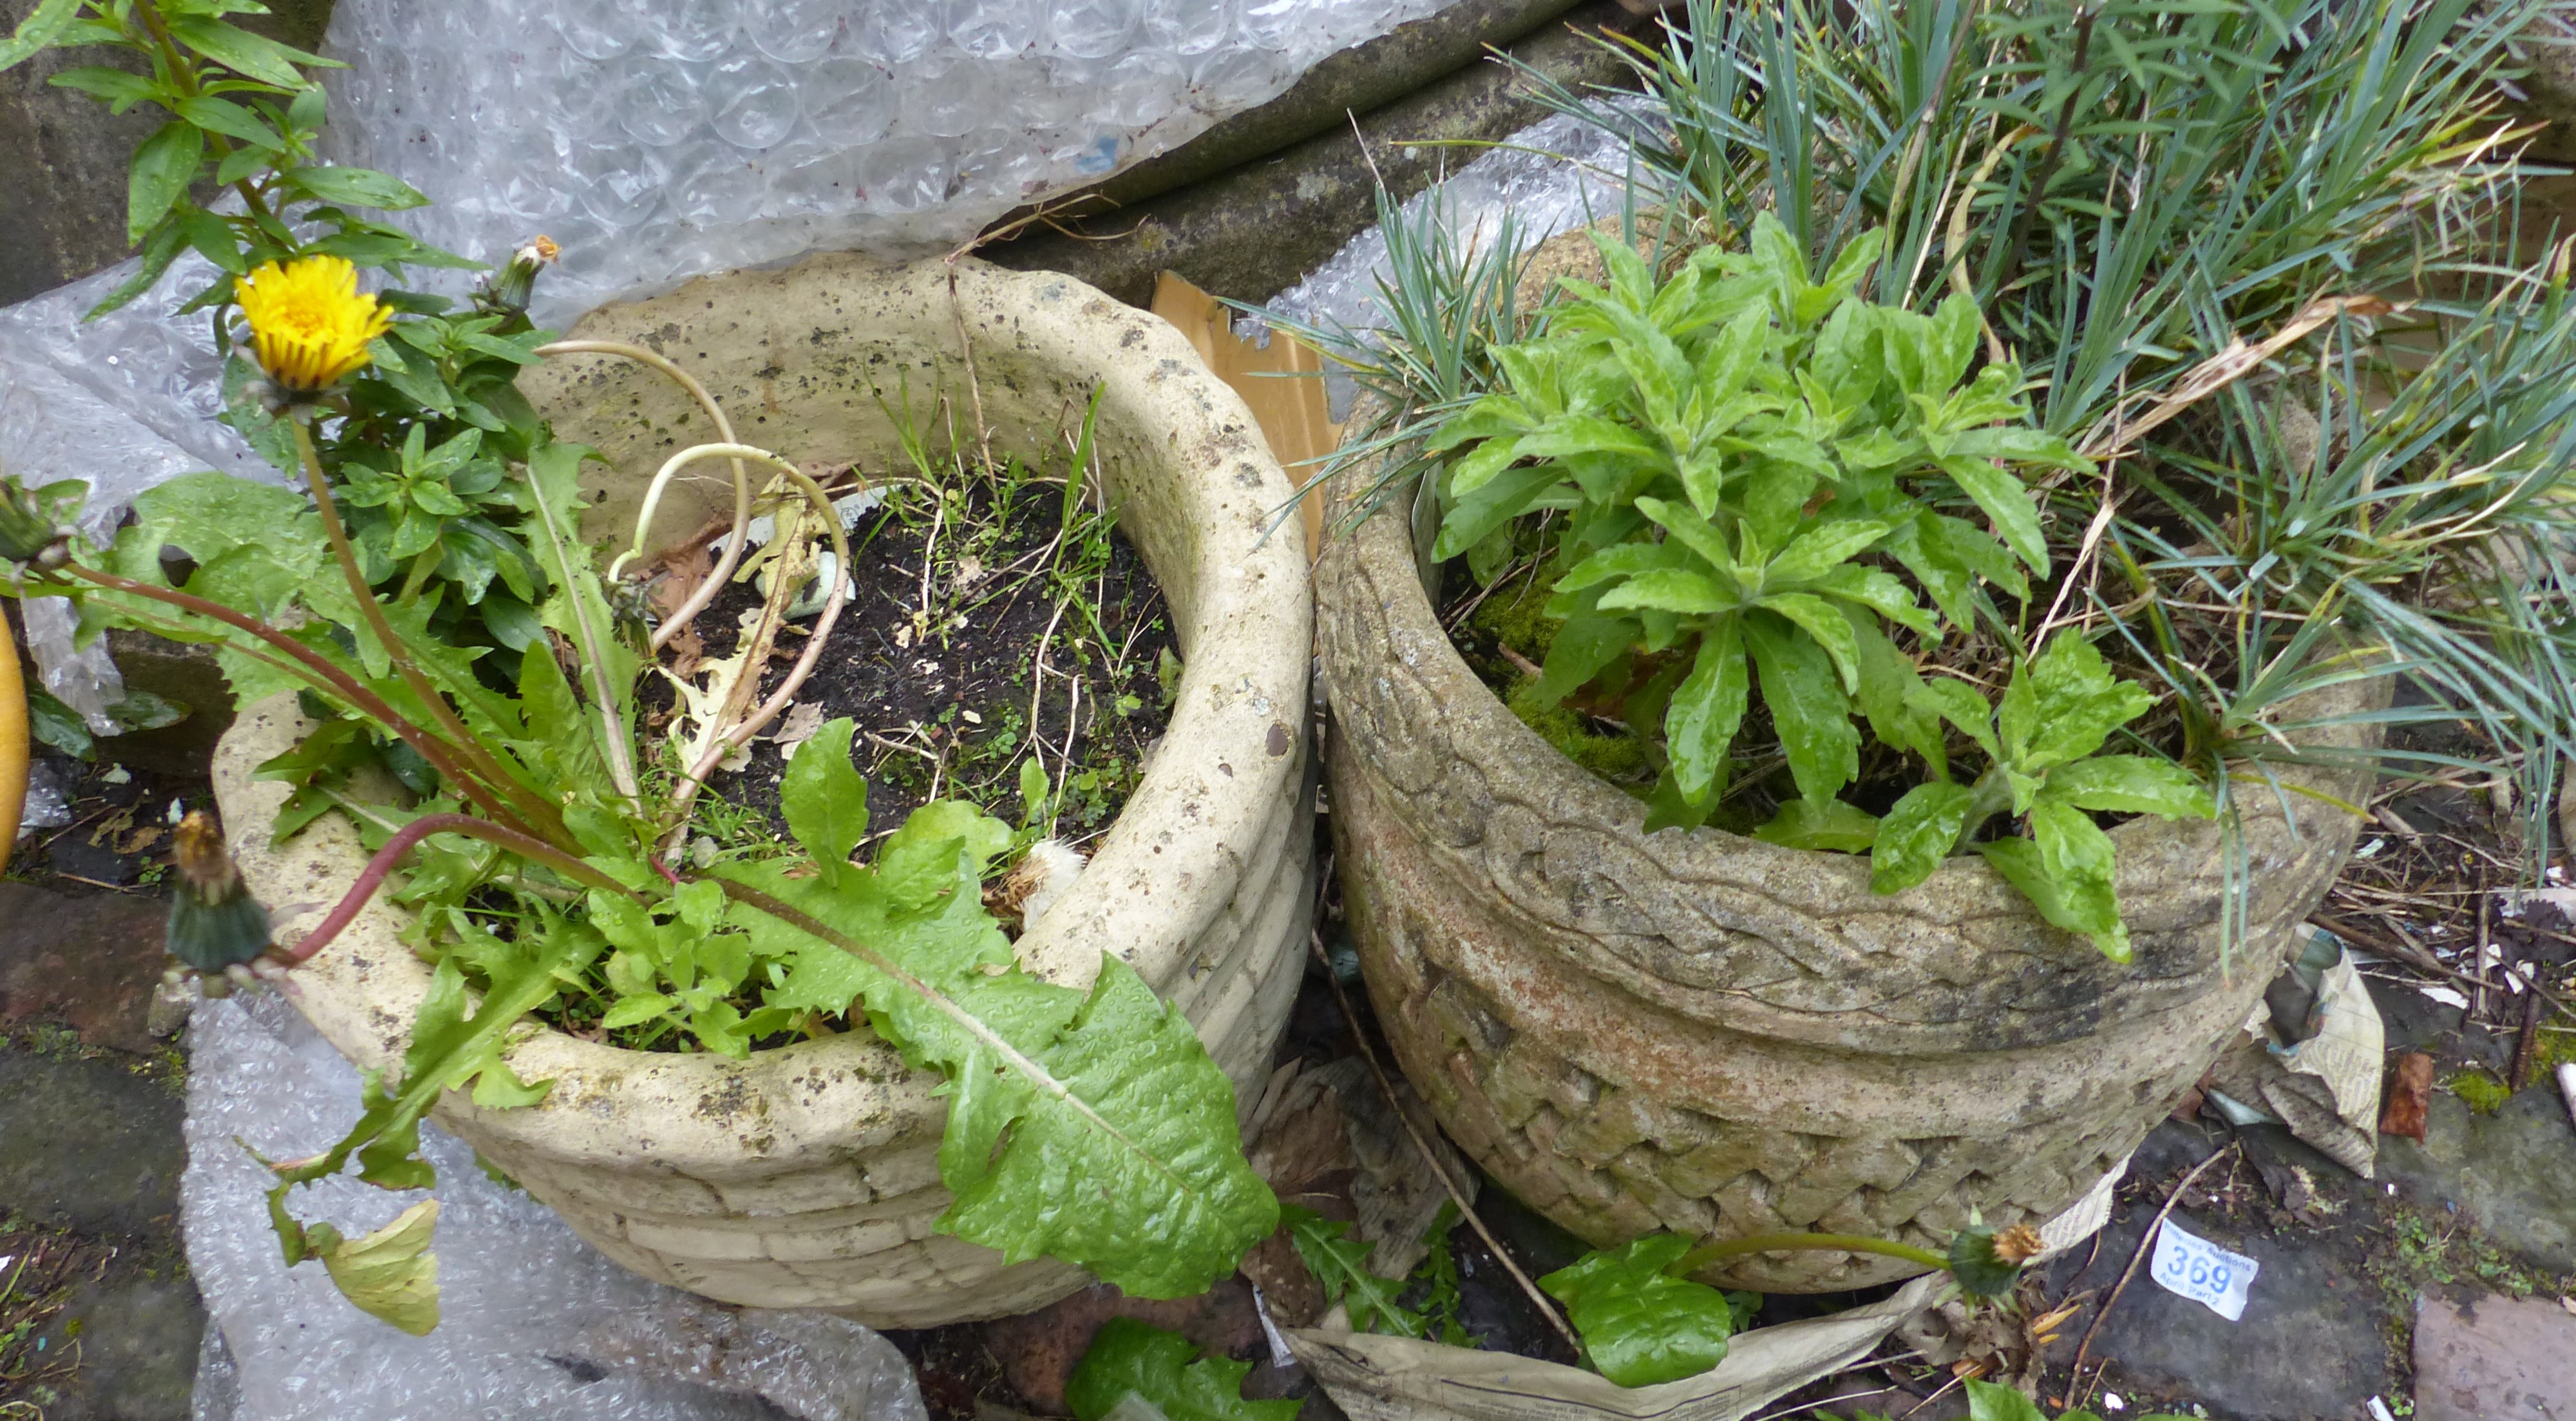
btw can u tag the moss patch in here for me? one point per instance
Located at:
(2479, 1091)
(1513, 618)
(1612, 757)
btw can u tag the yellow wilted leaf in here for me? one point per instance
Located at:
(391, 1273)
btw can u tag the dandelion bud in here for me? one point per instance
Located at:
(1978, 1258)
(216, 927)
(2019, 1244)
(517, 280)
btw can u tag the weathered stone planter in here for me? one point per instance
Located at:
(1704, 1033)
(806, 1176)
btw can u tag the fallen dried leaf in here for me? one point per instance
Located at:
(798, 726)
(2410, 1094)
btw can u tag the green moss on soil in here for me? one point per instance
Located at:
(1515, 618)
(2479, 1091)
(1612, 757)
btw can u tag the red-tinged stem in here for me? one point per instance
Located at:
(372, 877)
(367, 702)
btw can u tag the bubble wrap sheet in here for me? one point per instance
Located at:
(1553, 176)
(536, 1325)
(658, 140)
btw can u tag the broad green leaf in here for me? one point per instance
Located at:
(1705, 711)
(1132, 1358)
(1918, 834)
(1952, 343)
(356, 187)
(391, 1274)
(1495, 502)
(2063, 704)
(43, 25)
(1826, 624)
(1126, 1106)
(1962, 706)
(245, 53)
(826, 802)
(2008, 502)
(231, 120)
(1624, 560)
(2065, 869)
(2130, 784)
(1340, 1264)
(562, 749)
(212, 238)
(164, 163)
(1880, 592)
(1835, 826)
(1688, 529)
(635, 1010)
(1587, 434)
(1727, 361)
(1990, 1402)
(1808, 705)
(1477, 467)
(1823, 548)
(1667, 807)
(921, 860)
(1684, 594)
(1583, 647)
(119, 89)
(1887, 678)
(1090, 1127)
(1640, 1325)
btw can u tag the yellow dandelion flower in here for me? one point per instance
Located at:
(309, 325)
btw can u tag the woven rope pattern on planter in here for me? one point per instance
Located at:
(1612, 1163)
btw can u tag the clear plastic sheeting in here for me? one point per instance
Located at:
(534, 1322)
(121, 403)
(659, 139)
(1553, 176)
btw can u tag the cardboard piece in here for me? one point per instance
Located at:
(1282, 383)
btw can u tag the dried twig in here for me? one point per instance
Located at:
(2083, 1390)
(1457, 1195)
(688, 611)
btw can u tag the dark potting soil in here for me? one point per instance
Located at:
(937, 668)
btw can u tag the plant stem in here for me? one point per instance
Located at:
(373, 875)
(1992, 795)
(183, 74)
(536, 810)
(347, 687)
(1718, 1252)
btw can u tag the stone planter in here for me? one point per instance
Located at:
(1703, 1033)
(806, 1177)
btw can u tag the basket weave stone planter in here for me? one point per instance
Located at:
(806, 1176)
(1703, 1033)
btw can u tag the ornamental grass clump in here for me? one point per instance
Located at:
(428, 597)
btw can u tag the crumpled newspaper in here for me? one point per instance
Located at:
(2310, 1058)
